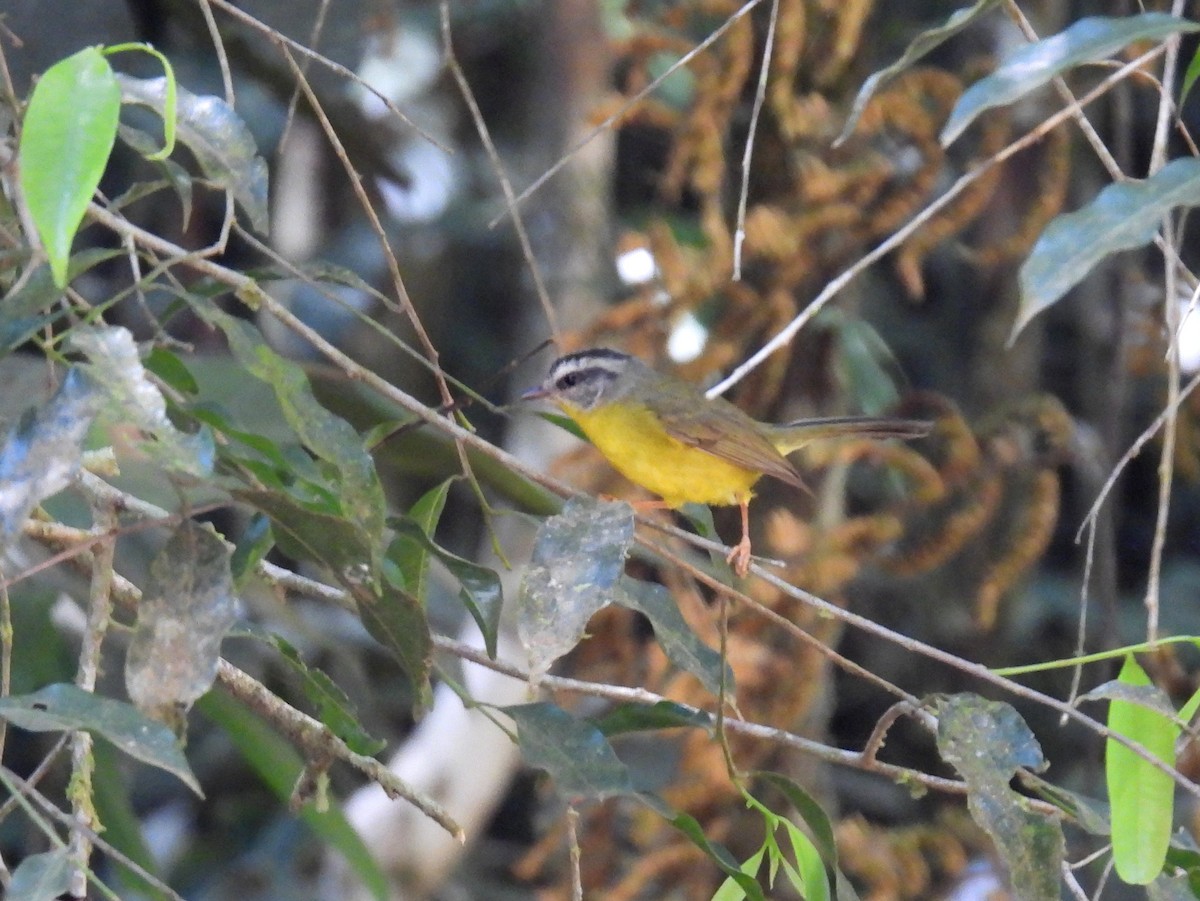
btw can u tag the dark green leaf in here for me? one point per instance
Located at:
(41, 453)
(987, 742)
(480, 589)
(410, 552)
(923, 43)
(67, 136)
(645, 717)
(122, 825)
(172, 370)
(42, 877)
(1141, 795)
(255, 543)
(579, 556)
(1122, 217)
(716, 852)
(573, 752)
(678, 641)
(334, 709)
(397, 620)
(1190, 76)
(35, 305)
(279, 766)
(1031, 66)
(217, 138)
(57, 708)
(187, 608)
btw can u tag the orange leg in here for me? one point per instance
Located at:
(739, 557)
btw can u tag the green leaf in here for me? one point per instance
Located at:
(730, 889)
(1123, 216)
(172, 370)
(279, 766)
(41, 453)
(42, 877)
(61, 707)
(334, 709)
(922, 44)
(1031, 66)
(574, 752)
(187, 608)
(67, 135)
(645, 717)
(122, 826)
(681, 645)
(811, 871)
(328, 437)
(480, 588)
(716, 852)
(255, 543)
(1189, 77)
(331, 539)
(217, 138)
(577, 560)
(987, 742)
(410, 552)
(1141, 796)
(397, 620)
(34, 305)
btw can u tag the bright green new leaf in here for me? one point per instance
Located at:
(66, 138)
(1140, 794)
(1088, 40)
(1122, 217)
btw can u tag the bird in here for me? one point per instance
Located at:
(665, 435)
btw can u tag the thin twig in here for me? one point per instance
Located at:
(760, 96)
(833, 288)
(510, 200)
(626, 107)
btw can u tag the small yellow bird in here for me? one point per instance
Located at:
(665, 435)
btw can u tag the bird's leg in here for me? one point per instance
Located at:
(739, 557)
(649, 504)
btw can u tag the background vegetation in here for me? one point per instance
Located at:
(272, 274)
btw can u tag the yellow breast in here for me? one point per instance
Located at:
(634, 441)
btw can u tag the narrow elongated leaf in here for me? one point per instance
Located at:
(34, 305)
(987, 741)
(42, 877)
(922, 44)
(41, 453)
(577, 561)
(334, 709)
(409, 552)
(573, 752)
(67, 136)
(279, 766)
(216, 136)
(56, 708)
(645, 717)
(480, 589)
(397, 620)
(187, 608)
(1088, 40)
(1122, 217)
(1141, 795)
(716, 852)
(678, 641)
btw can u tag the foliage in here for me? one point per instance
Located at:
(259, 483)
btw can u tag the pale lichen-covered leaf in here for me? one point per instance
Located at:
(577, 561)
(1123, 216)
(1031, 66)
(134, 409)
(923, 43)
(42, 877)
(41, 453)
(67, 135)
(576, 755)
(187, 608)
(61, 707)
(218, 138)
(987, 742)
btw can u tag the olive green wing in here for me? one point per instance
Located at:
(723, 430)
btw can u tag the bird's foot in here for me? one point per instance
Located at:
(739, 557)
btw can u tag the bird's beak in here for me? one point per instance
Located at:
(536, 393)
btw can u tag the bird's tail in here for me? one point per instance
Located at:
(791, 436)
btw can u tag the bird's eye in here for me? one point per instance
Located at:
(570, 380)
